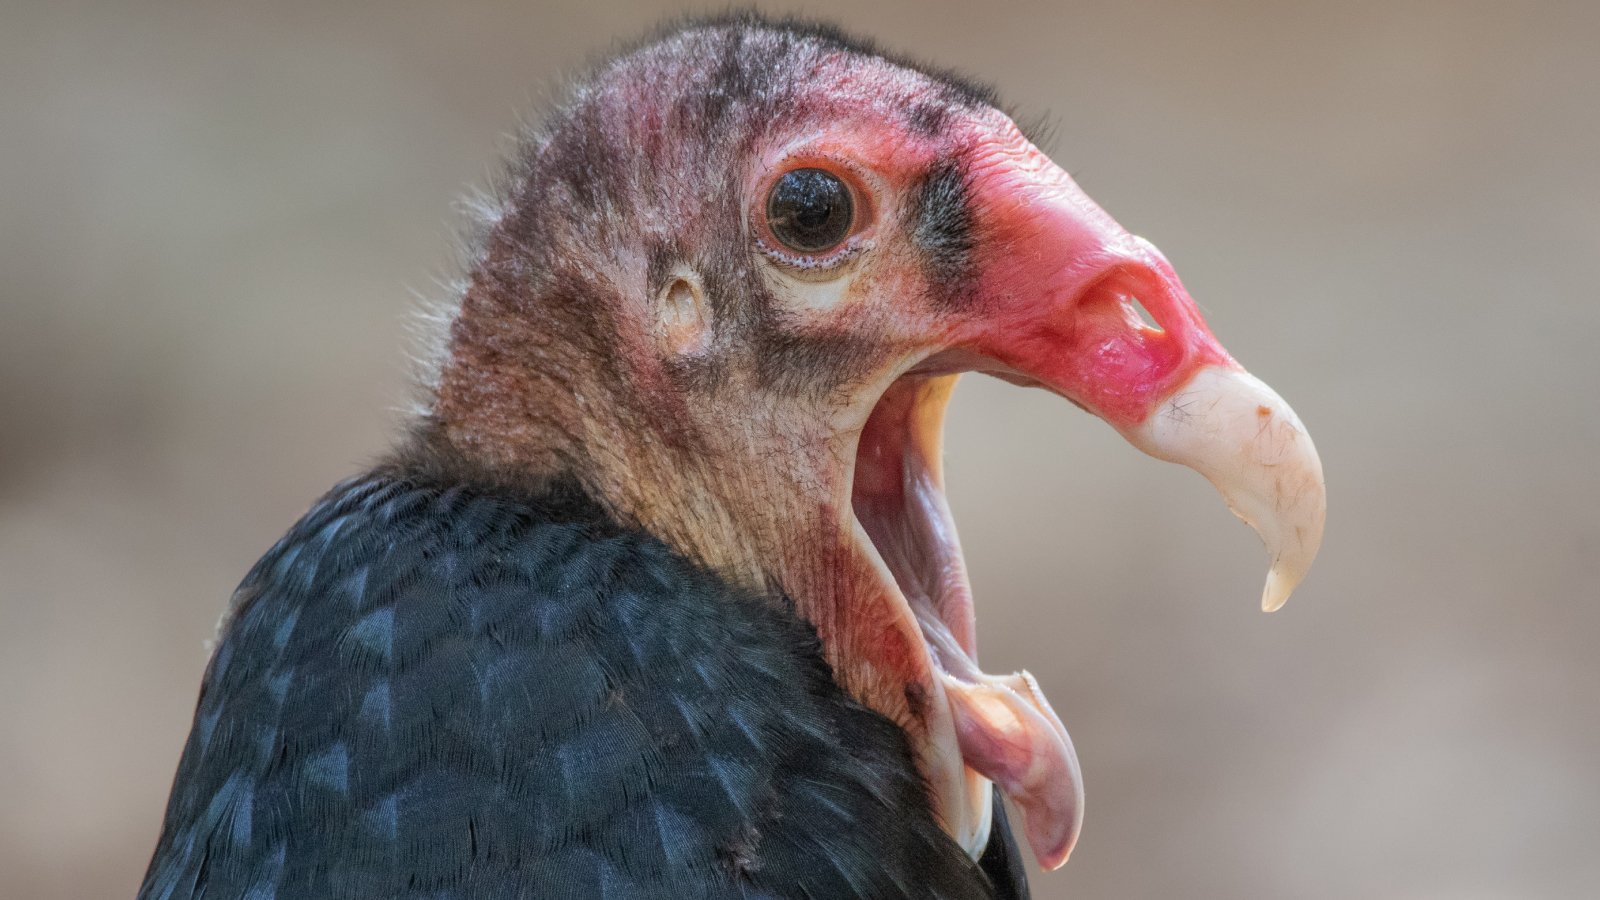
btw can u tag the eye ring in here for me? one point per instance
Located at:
(864, 188)
(810, 210)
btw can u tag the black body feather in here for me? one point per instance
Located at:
(452, 692)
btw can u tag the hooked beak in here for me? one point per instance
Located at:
(1229, 426)
(1067, 300)
(1066, 285)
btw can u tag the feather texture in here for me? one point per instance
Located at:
(452, 692)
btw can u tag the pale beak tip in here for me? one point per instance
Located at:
(1237, 432)
(1280, 585)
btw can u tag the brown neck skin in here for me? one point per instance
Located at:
(753, 485)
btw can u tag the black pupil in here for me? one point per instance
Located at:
(809, 210)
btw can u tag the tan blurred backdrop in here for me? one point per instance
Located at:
(213, 221)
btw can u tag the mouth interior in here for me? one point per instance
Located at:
(1001, 727)
(898, 498)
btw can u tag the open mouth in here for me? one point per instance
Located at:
(1003, 729)
(898, 497)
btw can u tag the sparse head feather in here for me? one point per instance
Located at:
(684, 101)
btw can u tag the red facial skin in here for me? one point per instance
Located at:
(1056, 272)
(1056, 275)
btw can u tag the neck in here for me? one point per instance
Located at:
(697, 478)
(752, 488)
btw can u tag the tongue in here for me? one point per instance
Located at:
(1008, 733)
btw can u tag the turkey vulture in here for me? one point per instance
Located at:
(660, 596)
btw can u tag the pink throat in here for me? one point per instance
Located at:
(1001, 725)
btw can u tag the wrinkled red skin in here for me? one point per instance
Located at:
(1054, 269)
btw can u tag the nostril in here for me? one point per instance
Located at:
(1138, 315)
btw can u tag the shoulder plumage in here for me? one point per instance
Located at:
(432, 690)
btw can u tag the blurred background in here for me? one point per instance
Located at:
(214, 223)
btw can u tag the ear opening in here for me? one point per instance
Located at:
(683, 319)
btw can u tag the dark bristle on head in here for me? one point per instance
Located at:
(668, 117)
(738, 70)
(941, 222)
(639, 174)
(961, 88)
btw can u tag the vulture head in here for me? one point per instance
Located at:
(728, 289)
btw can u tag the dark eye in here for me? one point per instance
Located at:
(809, 210)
